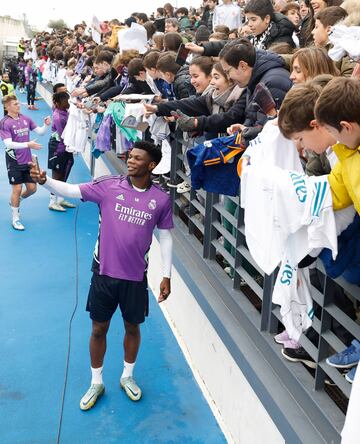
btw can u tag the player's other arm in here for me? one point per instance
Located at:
(166, 244)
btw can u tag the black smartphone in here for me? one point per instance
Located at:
(181, 55)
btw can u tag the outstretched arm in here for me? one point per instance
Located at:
(62, 188)
(41, 130)
(55, 186)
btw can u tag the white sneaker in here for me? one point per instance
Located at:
(17, 225)
(91, 396)
(66, 204)
(183, 187)
(54, 206)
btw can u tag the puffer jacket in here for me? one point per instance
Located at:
(281, 32)
(101, 84)
(182, 83)
(268, 69)
(344, 178)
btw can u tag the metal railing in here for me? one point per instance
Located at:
(216, 225)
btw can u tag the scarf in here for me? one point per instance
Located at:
(222, 102)
(259, 41)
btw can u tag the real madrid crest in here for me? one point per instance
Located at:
(152, 204)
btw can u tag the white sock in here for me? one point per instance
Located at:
(52, 198)
(96, 375)
(59, 199)
(15, 213)
(128, 370)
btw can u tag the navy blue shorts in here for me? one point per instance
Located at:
(61, 162)
(17, 176)
(107, 293)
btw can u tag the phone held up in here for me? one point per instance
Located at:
(35, 160)
(182, 55)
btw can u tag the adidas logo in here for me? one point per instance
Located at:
(120, 197)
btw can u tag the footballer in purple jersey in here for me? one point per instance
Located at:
(15, 131)
(60, 161)
(130, 209)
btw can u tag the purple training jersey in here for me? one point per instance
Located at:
(18, 130)
(127, 221)
(60, 118)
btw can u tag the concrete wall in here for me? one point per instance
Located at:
(240, 414)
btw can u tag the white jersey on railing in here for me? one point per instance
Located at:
(75, 134)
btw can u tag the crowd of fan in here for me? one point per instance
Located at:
(220, 69)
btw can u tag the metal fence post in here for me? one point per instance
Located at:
(209, 231)
(267, 324)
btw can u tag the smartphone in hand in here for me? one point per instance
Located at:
(182, 55)
(35, 160)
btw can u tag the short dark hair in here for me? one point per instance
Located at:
(129, 21)
(330, 15)
(172, 41)
(297, 109)
(151, 58)
(142, 16)
(262, 8)
(135, 66)
(104, 56)
(57, 86)
(184, 11)
(239, 50)
(339, 101)
(60, 96)
(154, 151)
(167, 63)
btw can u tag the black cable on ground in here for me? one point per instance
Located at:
(70, 327)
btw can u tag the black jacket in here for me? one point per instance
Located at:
(182, 83)
(192, 106)
(101, 84)
(137, 87)
(305, 36)
(281, 32)
(268, 69)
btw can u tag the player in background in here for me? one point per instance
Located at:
(15, 131)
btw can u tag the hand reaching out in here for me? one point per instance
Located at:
(150, 109)
(234, 128)
(196, 49)
(34, 145)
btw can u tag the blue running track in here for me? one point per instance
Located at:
(37, 297)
